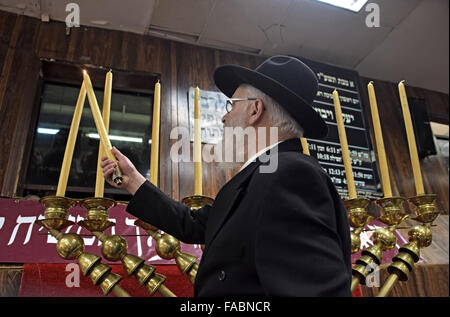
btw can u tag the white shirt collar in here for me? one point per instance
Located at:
(253, 158)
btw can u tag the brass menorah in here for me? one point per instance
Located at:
(168, 247)
(70, 246)
(419, 237)
(384, 238)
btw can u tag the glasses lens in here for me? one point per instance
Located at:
(229, 105)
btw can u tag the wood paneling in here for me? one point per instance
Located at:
(10, 276)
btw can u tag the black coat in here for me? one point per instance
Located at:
(276, 234)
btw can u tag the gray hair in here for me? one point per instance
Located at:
(278, 117)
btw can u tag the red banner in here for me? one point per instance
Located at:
(22, 241)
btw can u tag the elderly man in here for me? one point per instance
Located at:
(278, 233)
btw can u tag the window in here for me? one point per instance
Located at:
(129, 130)
(352, 5)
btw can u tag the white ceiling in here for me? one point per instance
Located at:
(412, 42)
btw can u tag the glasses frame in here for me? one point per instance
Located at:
(230, 101)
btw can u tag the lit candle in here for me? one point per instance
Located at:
(305, 146)
(98, 120)
(70, 145)
(411, 140)
(344, 147)
(385, 181)
(154, 156)
(197, 145)
(100, 181)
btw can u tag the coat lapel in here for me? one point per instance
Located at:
(228, 197)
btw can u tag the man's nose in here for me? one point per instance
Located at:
(223, 118)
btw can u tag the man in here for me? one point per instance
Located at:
(278, 233)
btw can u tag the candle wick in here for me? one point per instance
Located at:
(402, 82)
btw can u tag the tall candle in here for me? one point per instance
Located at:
(305, 146)
(379, 142)
(100, 180)
(154, 156)
(411, 140)
(98, 118)
(344, 147)
(70, 145)
(197, 145)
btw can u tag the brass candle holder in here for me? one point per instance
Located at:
(196, 202)
(358, 218)
(55, 213)
(168, 247)
(384, 239)
(114, 247)
(419, 237)
(70, 246)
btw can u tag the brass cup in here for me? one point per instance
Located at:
(424, 208)
(197, 201)
(358, 218)
(184, 261)
(56, 212)
(392, 214)
(98, 271)
(87, 261)
(357, 212)
(143, 273)
(97, 215)
(131, 263)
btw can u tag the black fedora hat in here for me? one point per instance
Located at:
(284, 78)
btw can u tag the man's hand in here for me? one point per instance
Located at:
(132, 179)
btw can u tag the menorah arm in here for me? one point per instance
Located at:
(120, 292)
(388, 285)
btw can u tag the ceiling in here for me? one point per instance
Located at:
(412, 42)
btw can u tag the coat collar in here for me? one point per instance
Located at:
(289, 145)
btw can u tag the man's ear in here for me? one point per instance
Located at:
(256, 110)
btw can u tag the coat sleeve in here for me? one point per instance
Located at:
(151, 205)
(298, 251)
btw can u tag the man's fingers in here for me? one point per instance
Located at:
(103, 164)
(117, 153)
(107, 172)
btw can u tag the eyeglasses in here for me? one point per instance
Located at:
(230, 102)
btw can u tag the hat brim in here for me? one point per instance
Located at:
(229, 77)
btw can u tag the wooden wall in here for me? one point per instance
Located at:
(24, 40)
